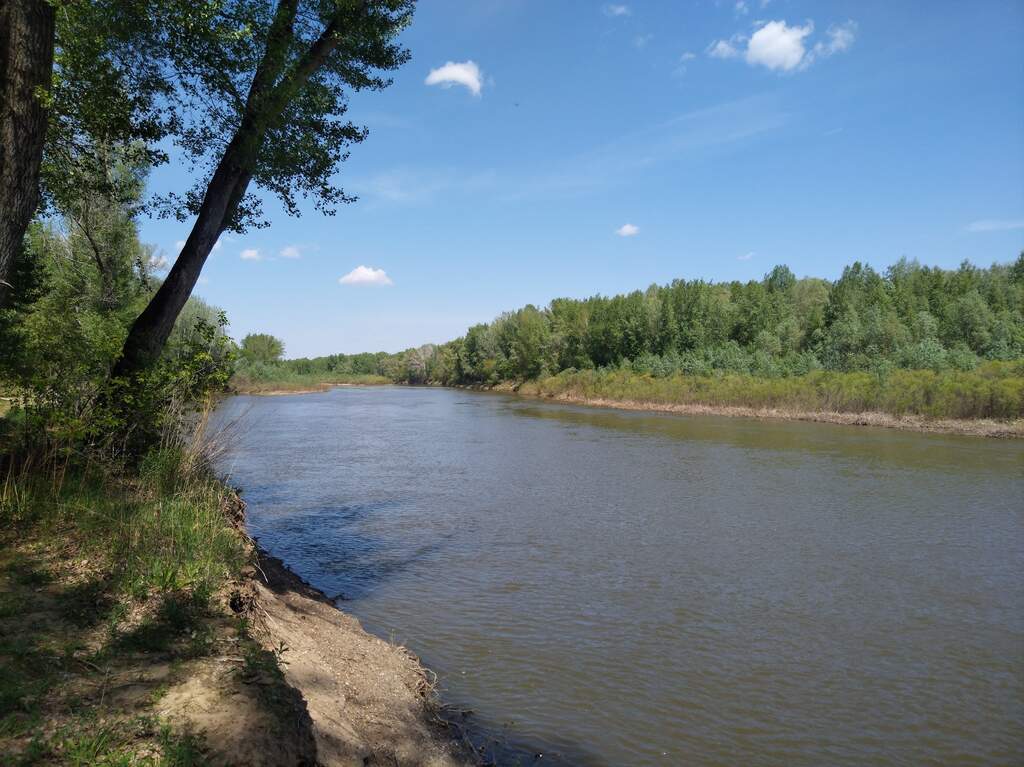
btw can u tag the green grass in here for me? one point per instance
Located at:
(79, 551)
(995, 390)
(164, 531)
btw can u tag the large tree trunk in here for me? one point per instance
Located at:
(26, 66)
(150, 330)
(268, 95)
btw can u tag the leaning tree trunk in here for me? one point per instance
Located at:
(151, 329)
(269, 94)
(26, 65)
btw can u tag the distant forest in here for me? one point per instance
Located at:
(909, 317)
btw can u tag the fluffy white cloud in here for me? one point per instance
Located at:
(627, 230)
(996, 225)
(465, 73)
(251, 254)
(778, 46)
(366, 275)
(688, 56)
(613, 10)
(745, 256)
(290, 251)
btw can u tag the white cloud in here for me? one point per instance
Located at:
(158, 263)
(840, 40)
(745, 256)
(996, 225)
(725, 49)
(366, 275)
(680, 70)
(179, 245)
(640, 41)
(465, 73)
(251, 254)
(627, 230)
(778, 46)
(611, 10)
(741, 8)
(290, 251)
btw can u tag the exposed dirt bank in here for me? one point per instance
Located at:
(971, 427)
(370, 702)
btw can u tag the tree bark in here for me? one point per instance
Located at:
(269, 93)
(26, 66)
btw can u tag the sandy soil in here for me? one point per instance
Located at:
(971, 427)
(370, 702)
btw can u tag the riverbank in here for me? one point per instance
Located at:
(968, 427)
(299, 384)
(988, 402)
(140, 625)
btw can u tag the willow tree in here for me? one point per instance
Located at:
(265, 107)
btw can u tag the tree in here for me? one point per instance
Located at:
(285, 132)
(262, 347)
(26, 63)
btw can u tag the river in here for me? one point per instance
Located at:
(614, 588)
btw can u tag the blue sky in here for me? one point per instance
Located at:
(581, 148)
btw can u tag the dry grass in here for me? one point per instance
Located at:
(302, 384)
(972, 427)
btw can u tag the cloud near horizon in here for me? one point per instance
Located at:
(290, 251)
(250, 254)
(465, 73)
(996, 225)
(628, 230)
(366, 275)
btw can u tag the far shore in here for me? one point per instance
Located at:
(974, 427)
(968, 426)
(277, 389)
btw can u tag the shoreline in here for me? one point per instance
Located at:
(971, 427)
(368, 701)
(962, 427)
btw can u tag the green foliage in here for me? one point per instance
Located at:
(89, 276)
(211, 55)
(261, 348)
(911, 317)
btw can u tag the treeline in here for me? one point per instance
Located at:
(909, 317)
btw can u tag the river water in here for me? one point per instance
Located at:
(613, 588)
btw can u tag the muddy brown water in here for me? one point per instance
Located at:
(613, 588)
